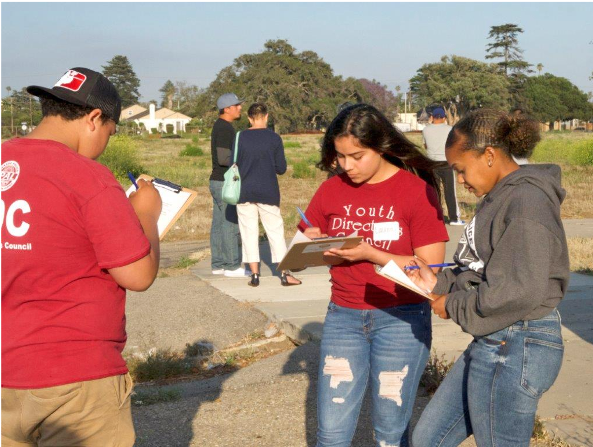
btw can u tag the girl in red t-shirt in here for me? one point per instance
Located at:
(373, 329)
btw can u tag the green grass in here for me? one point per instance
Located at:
(564, 148)
(291, 144)
(303, 169)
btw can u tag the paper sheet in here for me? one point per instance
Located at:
(392, 271)
(172, 203)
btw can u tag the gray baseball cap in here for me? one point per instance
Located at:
(227, 100)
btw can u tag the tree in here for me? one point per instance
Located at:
(186, 97)
(300, 89)
(20, 107)
(540, 67)
(168, 91)
(381, 97)
(506, 45)
(551, 98)
(460, 85)
(120, 72)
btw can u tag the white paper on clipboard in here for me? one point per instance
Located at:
(172, 203)
(392, 271)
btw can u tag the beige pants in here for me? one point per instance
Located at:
(94, 413)
(249, 228)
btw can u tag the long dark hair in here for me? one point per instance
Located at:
(373, 130)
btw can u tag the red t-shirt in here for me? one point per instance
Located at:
(396, 215)
(65, 221)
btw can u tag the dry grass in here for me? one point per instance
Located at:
(580, 251)
(161, 159)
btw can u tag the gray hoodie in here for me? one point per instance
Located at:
(512, 258)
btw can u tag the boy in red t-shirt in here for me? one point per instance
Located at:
(71, 244)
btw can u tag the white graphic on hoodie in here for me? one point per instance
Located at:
(466, 253)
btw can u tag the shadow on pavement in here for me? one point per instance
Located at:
(306, 359)
(171, 424)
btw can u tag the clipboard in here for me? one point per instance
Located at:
(392, 272)
(175, 199)
(304, 252)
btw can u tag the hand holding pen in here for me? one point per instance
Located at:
(415, 267)
(146, 200)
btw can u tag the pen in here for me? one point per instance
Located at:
(414, 267)
(132, 179)
(309, 224)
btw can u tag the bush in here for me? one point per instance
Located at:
(121, 157)
(565, 148)
(303, 169)
(191, 151)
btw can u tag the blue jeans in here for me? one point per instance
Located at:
(388, 347)
(224, 233)
(493, 389)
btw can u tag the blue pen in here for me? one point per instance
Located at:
(132, 179)
(414, 267)
(309, 224)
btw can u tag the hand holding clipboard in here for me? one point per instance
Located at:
(174, 197)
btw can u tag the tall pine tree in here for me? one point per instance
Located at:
(506, 46)
(512, 65)
(120, 72)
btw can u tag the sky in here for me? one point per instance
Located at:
(192, 42)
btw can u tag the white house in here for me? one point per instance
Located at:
(155, 119)
(407, 122)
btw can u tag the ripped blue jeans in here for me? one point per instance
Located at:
(388, 348)
(493, 389)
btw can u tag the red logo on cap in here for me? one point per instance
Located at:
(72, 80)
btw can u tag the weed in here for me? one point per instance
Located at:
(191, 151)
(230, 359)
(185, 262)
(435, 371)
(143, 398)
(198, 349)
(158, 365)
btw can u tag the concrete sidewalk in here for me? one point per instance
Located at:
(567, 408)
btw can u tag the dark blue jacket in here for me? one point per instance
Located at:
(260, 159)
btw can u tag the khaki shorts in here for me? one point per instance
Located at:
(91, 413)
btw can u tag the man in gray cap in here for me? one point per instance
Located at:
(435, 136)
(224, 233)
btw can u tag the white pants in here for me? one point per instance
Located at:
(249, 228)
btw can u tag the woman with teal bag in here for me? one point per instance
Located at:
(259, 155)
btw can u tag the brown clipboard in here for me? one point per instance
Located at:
(310, 253)
(173, 207)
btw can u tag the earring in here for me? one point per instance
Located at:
(489, 163)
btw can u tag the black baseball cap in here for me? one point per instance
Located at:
(84, 87)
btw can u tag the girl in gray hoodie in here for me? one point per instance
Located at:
(512, 271)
